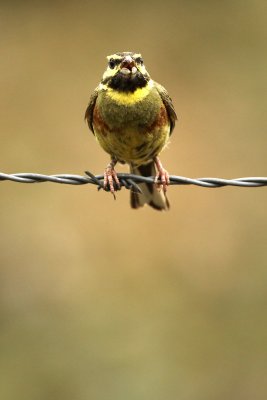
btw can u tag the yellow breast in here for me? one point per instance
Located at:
(128, 98)
(133, 126)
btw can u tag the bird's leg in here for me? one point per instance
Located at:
(110, 176)
(162, 178)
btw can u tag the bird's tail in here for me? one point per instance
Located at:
(150, 194)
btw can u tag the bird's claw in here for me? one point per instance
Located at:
(110, 177)
(162, 179)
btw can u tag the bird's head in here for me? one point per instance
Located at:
(125, 72)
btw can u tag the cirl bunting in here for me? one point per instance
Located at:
(132, 117)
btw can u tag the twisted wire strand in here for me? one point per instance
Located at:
(130, 181)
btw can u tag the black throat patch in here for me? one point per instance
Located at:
(127, 83)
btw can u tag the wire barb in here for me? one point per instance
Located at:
(94, 179)
(130, 181)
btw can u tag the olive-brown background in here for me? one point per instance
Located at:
(102, 302)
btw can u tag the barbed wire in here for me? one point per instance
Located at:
(130, 181)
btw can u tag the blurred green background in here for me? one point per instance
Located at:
(99, 301)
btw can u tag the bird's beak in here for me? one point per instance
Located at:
(128, 66)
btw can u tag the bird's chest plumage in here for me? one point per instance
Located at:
(129, 128)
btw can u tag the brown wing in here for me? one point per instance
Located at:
(90, 109)
(168, 104)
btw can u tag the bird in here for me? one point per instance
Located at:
(132, 118)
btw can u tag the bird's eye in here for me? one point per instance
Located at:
(140, 61)
(111, 63)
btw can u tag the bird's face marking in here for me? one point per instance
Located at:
(125, 72)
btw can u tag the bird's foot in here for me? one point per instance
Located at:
(111, 178)
(162, 179)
